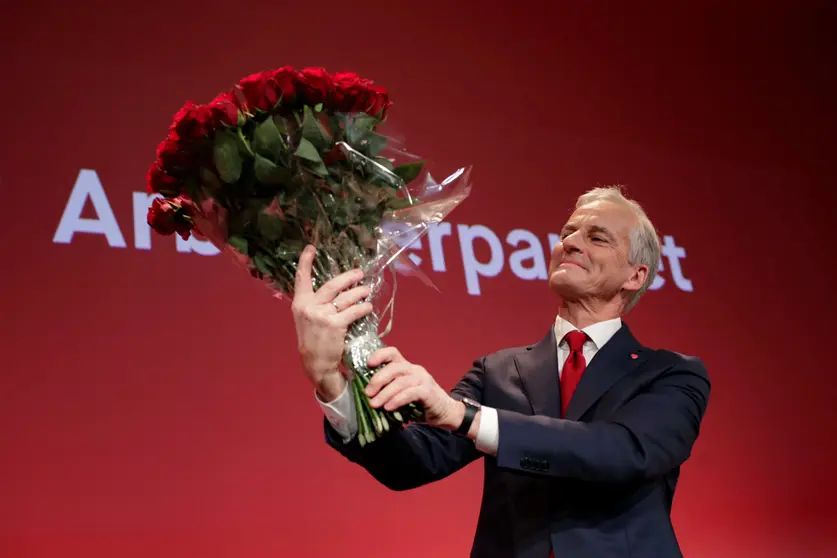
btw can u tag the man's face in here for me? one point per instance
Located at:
(591, 260)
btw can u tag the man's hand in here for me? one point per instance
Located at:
(401, 382)
(322, 319)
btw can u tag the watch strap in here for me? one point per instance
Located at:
(470, 412)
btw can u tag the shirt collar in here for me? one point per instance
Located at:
(599, 333)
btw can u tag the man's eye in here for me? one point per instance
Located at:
(598, 239)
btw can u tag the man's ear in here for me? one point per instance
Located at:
(637, 278)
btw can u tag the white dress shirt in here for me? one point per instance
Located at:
(341, 412)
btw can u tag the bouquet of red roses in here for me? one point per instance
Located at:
(289, 158)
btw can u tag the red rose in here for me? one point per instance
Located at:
(314, 86)
(224, 110)
(259, 91)
(285, 81)
(182, 113)
(348, 86)
(345, 78)
(353, 93)
(170, 216)
(192, 122)
(158, 182)
(172, 153)
(376, 101)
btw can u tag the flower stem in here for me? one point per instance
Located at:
(364, 431)
(245, 142)
(373, 423)
(376, 419)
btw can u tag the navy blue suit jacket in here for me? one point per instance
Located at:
(598, 483)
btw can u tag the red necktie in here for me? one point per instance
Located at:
(573, 368)
(571, 373)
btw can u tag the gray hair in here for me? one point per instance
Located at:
(644, 242)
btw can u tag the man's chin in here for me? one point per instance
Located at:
(565, 289)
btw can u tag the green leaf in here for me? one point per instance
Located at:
(226, 157)
(379, 177)
(268, 172)
(384, 162)
(313, 131)
(268, 141)
(309, 153)
(357, 128)
(318, 107)
(239, 243)
(290, 250)
(307, 203)
(265, 263)
(318, 169)
(244, 148)
(270, 226)
(375, 143)
(280, 124)
(364, 122)
(409, 171)
(210, 179)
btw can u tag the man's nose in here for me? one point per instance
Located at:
(570, 243)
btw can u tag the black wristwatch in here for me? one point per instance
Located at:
(471, 408)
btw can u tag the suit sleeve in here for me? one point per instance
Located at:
(417, 454)
(648, 437)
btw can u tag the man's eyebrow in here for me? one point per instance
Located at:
(568, 228)
(600, 229)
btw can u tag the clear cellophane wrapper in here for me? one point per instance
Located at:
(376, 200)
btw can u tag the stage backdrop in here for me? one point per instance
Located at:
(151, 399)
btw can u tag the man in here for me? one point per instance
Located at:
(583, 433)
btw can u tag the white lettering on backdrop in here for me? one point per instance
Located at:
(527, 259)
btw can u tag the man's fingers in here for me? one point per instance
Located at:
(386, 375)
(336, 285)
(329, 290)
(353, 313)
(355, 294)
(387, 354)
(302, 280)
(404, 397)
(392, 389)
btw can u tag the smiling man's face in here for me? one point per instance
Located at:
(591, 260)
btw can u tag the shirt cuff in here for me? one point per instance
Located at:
(341, 413)
(488, 435)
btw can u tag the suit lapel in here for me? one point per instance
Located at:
(538, 369)
(619, 356)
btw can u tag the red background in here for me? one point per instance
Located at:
(152, 404)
